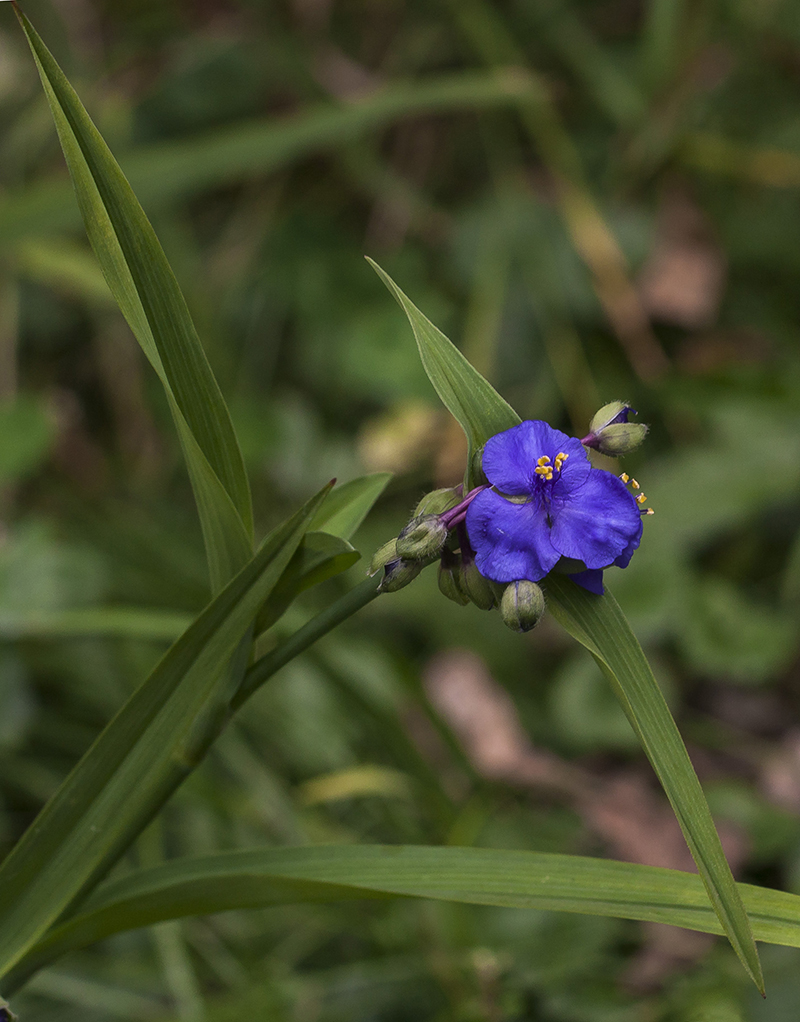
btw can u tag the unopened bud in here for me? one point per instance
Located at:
(382, 556)
(477, 587)
(399, 573)
(450, 580)
(422, 539)
(522, 605)
(621, 438)
(611, 433)
(615, 411)
(438, 501)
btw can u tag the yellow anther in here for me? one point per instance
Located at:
(649, 511)
(560, 459)
(544, 460)
(544, 470)
(634, 484)
(625, 477)
(641, 499)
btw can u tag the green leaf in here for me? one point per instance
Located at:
(326, 552)
(349, 504)
(318, 558)
(474, 403)
(145, 288)
(477, 876)
(152, 744)
(598, 624)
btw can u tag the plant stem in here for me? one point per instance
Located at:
(306, 636)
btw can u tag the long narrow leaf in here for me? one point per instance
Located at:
(155, 740)
(473, 402)
(349, 504)
(320, 557)
(598, 623)
(515, 879)
(148, 294)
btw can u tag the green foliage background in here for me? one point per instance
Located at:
(600, 200)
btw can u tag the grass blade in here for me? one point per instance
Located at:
(155, 741)
(148, 294)
(515, 879)
(349, 504)
(472, 401)
(319, 557)
(598, 624)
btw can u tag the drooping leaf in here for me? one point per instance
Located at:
(154, 741)
(514, 879)
(148, 294)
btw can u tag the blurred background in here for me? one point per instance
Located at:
(598, 200)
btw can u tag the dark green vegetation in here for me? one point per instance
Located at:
(545, 181)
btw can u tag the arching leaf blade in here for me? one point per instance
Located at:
(148, 294)
(515, 879)
(151, 745)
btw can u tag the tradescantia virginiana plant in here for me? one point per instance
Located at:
(533, 523)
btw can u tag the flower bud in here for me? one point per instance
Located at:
(423, 538)
(621, 438)
(450, 579)
(611, 433)
(399, 573)
(382, 556)
(477, 587)
(522, 605)
(438, 501)
(616, 411)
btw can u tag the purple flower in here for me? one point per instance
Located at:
(548, 503)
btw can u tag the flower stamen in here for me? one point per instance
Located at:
(625, 478)
(544, 468)
(560, 459)
(641, 499)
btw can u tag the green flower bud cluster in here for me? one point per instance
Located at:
(436, 532)
(420, 543)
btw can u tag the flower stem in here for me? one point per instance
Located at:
(306, 636)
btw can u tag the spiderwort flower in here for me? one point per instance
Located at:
(546, 503)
